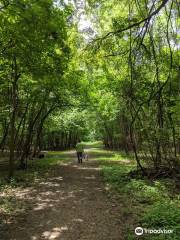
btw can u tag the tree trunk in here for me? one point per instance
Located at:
(15, 77)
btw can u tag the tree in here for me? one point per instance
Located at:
(34, 56)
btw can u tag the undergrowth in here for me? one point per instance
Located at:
(151, 204)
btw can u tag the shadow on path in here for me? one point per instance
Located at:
(70, 204)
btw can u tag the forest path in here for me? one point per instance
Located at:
(71, 203)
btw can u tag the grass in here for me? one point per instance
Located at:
(108, 155)
(151, 205)
(36, 168)
(97, 144)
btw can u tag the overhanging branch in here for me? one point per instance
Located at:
(148, 18)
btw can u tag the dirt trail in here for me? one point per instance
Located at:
(72, 204)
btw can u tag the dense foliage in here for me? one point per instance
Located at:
(135, 71)
(116, 79)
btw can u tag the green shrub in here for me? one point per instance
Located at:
(152, 204)
(163, 214)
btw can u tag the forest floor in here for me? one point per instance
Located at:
(70, 202)
(60, 199)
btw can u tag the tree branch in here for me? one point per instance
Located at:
(148, 18)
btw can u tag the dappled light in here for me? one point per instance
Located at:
(91, 168)
(69, 202)
(89, 120)
(53, 234)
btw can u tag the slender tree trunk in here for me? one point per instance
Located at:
(12, 137)
(12, 132)
(5, 134)
(15, 77)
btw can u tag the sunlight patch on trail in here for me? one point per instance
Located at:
(50, 184)
(90, 177)
(82, 167)
(56, 232)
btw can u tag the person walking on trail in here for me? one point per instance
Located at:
(80, 151)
